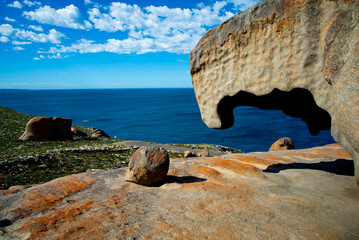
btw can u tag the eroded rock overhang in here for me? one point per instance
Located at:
(281, 46)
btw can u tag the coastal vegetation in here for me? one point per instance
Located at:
(33, 162)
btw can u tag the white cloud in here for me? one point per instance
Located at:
(152, 29)
(54, 56)
(30, 3)
(18, 48)
(53, 36)
(4, 39)
(242, 5)
(69, 16)
(20, 43)
(57, 56)
(36, 28)
(6, 29)
(88, 2)
(143, 29)
(18, 34)
(15, 4)
(9, 19)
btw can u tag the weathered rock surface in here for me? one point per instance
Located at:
(99, 133)
(297, 194)
(282, 144)
(78, 132)
(203, 153)
(188, 154)
(47, 128)
(147, 166)
(301, 56)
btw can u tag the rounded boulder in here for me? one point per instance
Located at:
(282, 144)
(148, 165)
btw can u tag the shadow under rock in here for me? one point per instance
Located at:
(180, 180)
(339, 166)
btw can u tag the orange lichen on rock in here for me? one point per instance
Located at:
(339, 153)
(50, 223)
(44, 196)
(254, 160)
(206, 171)
(236, 167)
(4, 192)
(275, 158)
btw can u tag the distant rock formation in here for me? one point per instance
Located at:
(188, 154)
(47, 128)
(282, 144)
(298, 56)
(99, 133)
(78, 132)
(203, 153)
(148, 165)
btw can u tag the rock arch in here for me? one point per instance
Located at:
(285, 45)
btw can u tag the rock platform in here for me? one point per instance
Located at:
(296, 194)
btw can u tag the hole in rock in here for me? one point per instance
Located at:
(297, 103)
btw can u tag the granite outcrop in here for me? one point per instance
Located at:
(47, 128)
(296, 194)
(300, 56)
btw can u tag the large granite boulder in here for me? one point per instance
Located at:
(47, 128)
(148, 166)
(298, 56)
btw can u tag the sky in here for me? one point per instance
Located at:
(81, 44)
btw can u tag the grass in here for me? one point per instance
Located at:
(33, 162)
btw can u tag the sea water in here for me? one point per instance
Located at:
(161, 115)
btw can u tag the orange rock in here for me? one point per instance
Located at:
(282, 144)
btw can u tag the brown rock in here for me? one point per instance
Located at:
(38, 128)
(62, 128)
(47, 128)
(298, 56)
(188, 154)
(203, 153)
(78, 132)
(282, 144)
(99, 133)
(148, 165)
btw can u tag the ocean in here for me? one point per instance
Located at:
(161, 115)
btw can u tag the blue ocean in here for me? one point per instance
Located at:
(161, 115)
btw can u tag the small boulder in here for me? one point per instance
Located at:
(188, 154)
(203, 153)
(282, 144)
(77, 132)
(99, 133)
(148, 165)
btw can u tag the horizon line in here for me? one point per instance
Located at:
(41, 89)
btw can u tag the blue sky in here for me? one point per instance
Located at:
(103, 44)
